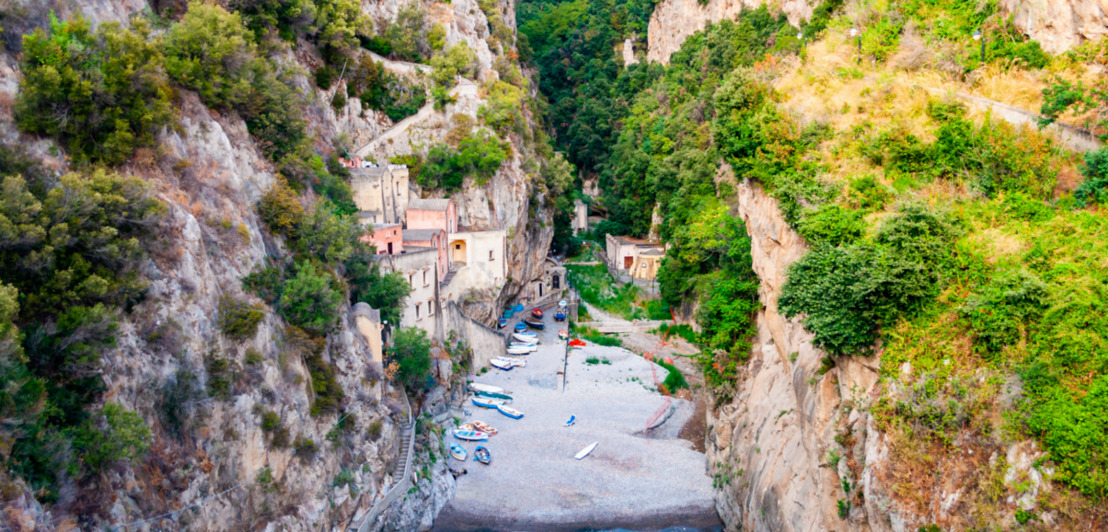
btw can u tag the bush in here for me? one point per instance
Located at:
(239, 319)
(411, 351)
(281, 211)
(675, 380)
(374, 430)
(222, 374)
(114, 434)
(1094, 190)
(310, 299)
(101, 94)
(477, 156)
(832, 225)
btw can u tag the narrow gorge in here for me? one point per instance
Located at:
(838, 265)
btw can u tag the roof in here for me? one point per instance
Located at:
(428, 204)
(420, 235)
(652, 252)
(378, 227)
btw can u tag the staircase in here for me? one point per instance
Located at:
(448, 277)
(401, 464)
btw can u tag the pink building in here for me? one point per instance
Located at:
(429, 238)
(433, 214)
(387, 238)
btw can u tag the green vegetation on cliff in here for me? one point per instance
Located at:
(960, 249)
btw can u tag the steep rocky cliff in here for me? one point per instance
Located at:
(769, 445)
(1058, 25)
(218, 469)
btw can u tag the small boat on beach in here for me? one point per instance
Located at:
(485, 427)
(563, 334)
(520, 327)
(521, 349)
(457, 451)
(470, 435)
(537, 312)
(524, 339)
(488, 388)
(532, 334)
(501, 323)
(510, 361)
(585, 452)
(563, 304)
(535, 324)
(486, 403)
(501, 364)
(571, 420)
(509, 411)
(560, 315)
(492, 395)
(481, 454)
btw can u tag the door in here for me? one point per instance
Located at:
(390, 248)
(627, 262)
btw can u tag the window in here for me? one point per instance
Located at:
(417, 311)
(457, 246)
(411, 281)
(424, 277)
(490, 255)
(430, 307)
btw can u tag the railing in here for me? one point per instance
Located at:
(398, 488)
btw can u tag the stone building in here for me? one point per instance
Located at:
(386, 238)
(552, 284)
(418, 266)
(429, 238)
(580, 217)
(380, 192)
(432, 214)
(634, 256)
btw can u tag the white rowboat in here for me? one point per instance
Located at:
(478, 387)
(585, 452)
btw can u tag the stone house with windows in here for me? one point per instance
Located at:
(432, 214)
(429, 238)
(634, 256)
(386, 238)
(380, 192)
(419, 266)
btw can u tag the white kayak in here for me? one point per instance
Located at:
(478, 387)
(529, 334)
(585, 452)
(530, 340)
(521, 349)
(500, 363)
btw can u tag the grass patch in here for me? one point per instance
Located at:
(675, 380)
(684, 331)
(598, 338)
(597, 287)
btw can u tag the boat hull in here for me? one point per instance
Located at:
(481, 454)
(471, 435)
(535, 324)
(510, 412)
(491, 395)
(486, 403)
(488, 388)
(585, 452)
(524, 338)
(458, 452)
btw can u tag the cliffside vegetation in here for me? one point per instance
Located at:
(960, 249)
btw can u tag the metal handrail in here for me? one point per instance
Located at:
(399, 487)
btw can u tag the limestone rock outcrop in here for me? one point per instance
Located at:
(674, 20)
(770, 443)
(1059, 25)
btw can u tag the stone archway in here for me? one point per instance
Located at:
(458, 252)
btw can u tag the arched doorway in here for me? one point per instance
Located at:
(555, 282)
(458, 252)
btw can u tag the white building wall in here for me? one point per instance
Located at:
(418, 266)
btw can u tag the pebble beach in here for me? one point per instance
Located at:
(630, 481)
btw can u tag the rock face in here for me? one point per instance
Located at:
(219, 467)
(770, 444)
(1059, 25)
(674, 20)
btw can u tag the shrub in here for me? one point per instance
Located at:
(1094, 190)
(385, 292)
(310, 300)
(239, 319)
(411, 351)
(832, 225)
(281, 211)
(407, 34)
(374, 430)
(1002, 309)
(114, 434)
(221, 376)
(306, 448)
(675, 380)
(101, 94)
(478, 156)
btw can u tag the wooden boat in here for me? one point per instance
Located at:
(524, 339)
(501, 364)
(503, 397)
(563, 304)
(468, 426)
(521, 349)
(563, 334)
(585, 452)
(571, 420)
(501, 323)
(485, 427)
(470, 435)
(537, 312)
(560, 316)
(487, 403)
(458, 452)
(488, 388)
(532, 334)
(511, 362)
(535, 324)
(481, 454)
(509, 411)
(520, 327)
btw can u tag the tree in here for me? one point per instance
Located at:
(310, 300)
(101, 94)
(411, 351)
(383, 292)
(114, 434)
